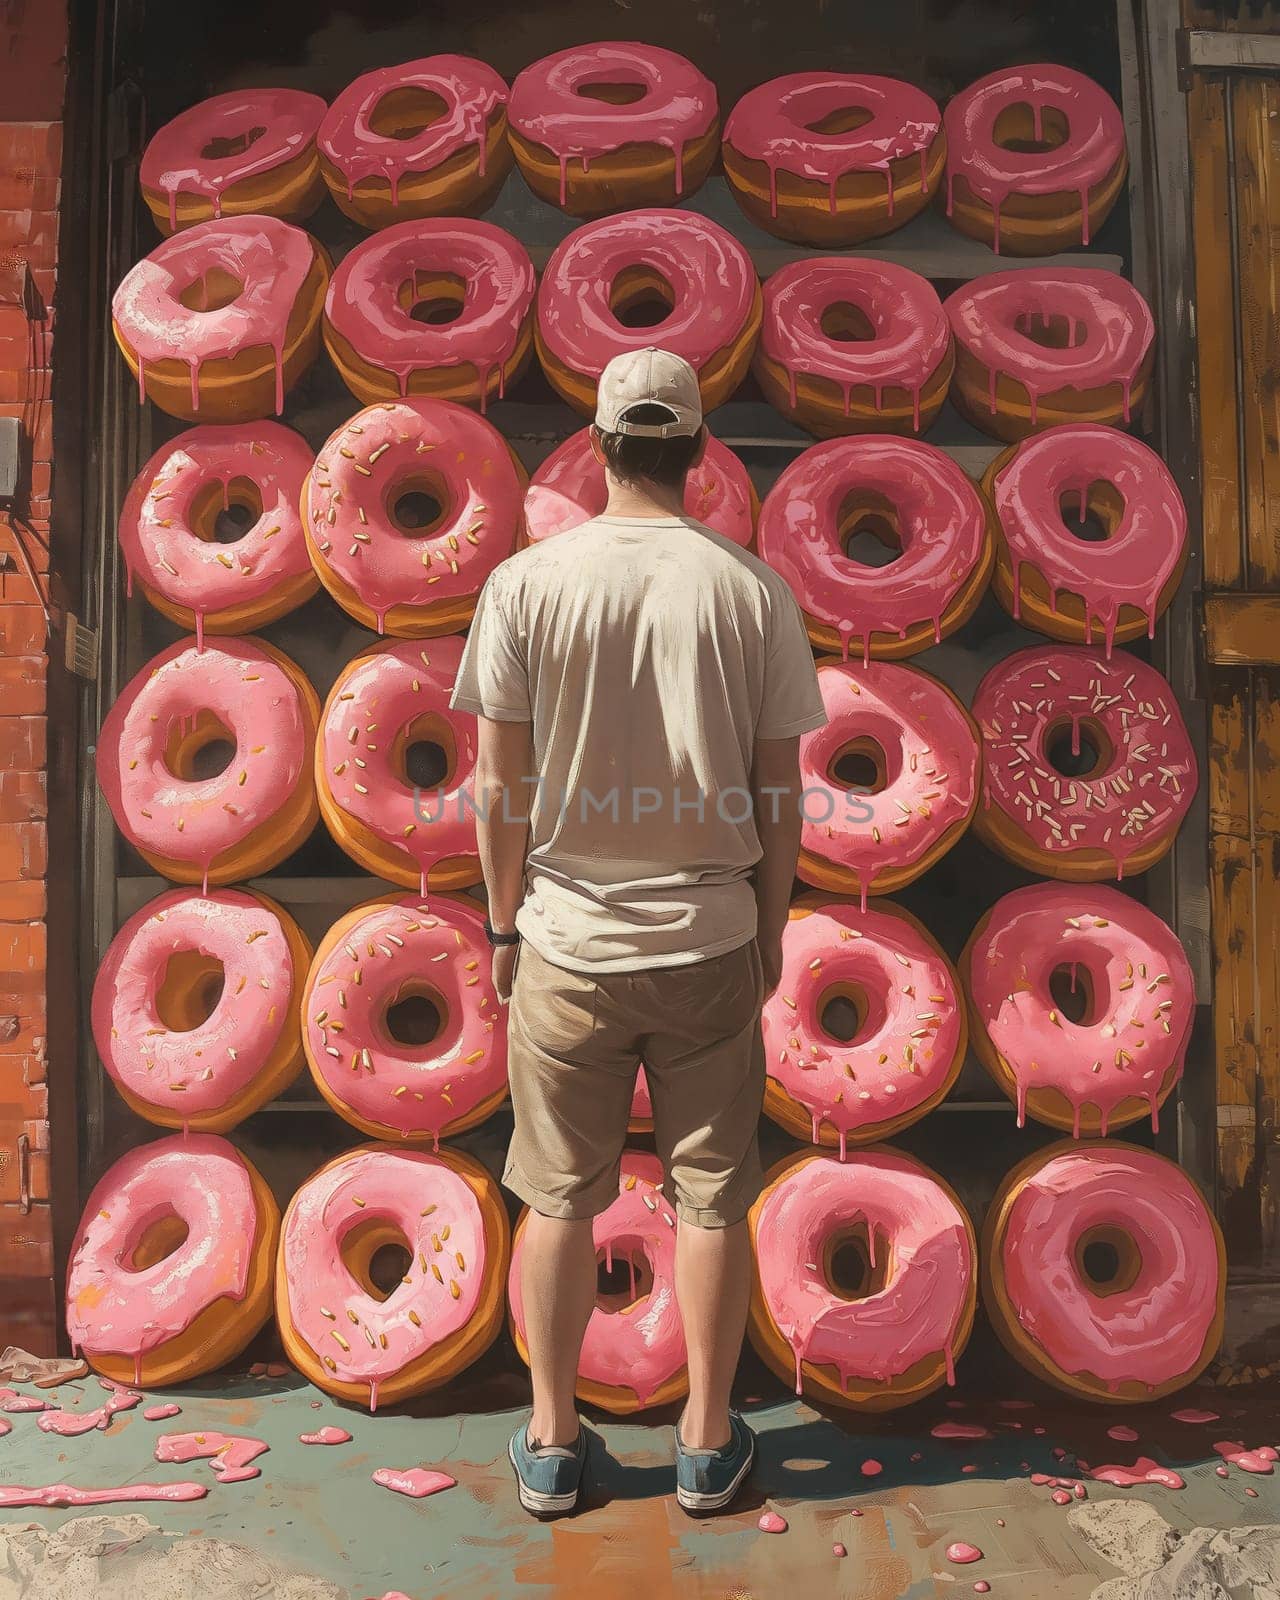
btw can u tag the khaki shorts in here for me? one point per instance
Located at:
(575, 1040)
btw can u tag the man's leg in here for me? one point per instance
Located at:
(713, 1286)
(558, 1287)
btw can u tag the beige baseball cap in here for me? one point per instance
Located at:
(649, 378)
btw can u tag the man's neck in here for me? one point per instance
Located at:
(643, 502)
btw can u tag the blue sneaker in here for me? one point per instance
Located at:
(706, 1480)
(548, 1478)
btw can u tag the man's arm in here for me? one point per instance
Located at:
(775, 791)
(504, 791)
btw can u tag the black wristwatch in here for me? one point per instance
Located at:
(499, 940)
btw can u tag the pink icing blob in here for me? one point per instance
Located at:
(1151, 1332)
(638, 1345)
(410, 1091)
(1260, 1460)
(982, 1587)
(1134, 1036)
(416, 1482)
(960, 1430)
(912, 1031)
(771, 1522)
(230, 1455)
(962, 1554)
(62, 1494)
(326, 1435)
(5, 1427)
(838, 1550)
(161, 1413)
(872, 1469)
(13, 1402)
(1123, 1435)
(569, 489)
(1146, 769)
(1144, 1470)
(1191, 1414)
(70, 1424)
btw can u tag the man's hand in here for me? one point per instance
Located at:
(504, 966)
(771, 964)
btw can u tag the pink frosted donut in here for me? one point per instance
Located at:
(157, 748)
(1039, 346)
(221, 319)
(1050, 578)
(904, 1000)
(866, 1277)
(170, 1270)
(1033, 201)
(1088, 769)
(249, 150)
(604, 270)
(341, 1327)
(831, 158)
(169, 536)
(195, 1007)
(849, 345)
(383, 704)
(408, 509)
(1103, 1271)
(914, 784)
(427, 138)
(910, 495)
(640, 123)
(633, 1355)
(1119, 1059)
(568, 489)
(372, 961)
(475, 283)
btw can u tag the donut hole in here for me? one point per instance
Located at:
(436, 298)
(848, 1266)
(860, 766)
(418, 506)
(1050, 331)
(867, 528)
(1094, 513)
(405, 112)
(612, 94)
(1072, 992)
(424, 752)
(189, 990)
(846, 323)
(416, 1016)
(199, 747)
(623, 1276)
(211, 291)
(1078, 747)
(1107, 1260)
(224, 513)
(157, 1241)
(846, 1012)
(235, 145)
(1019, 128)
(640, 297)
(377, 1255)
(844, 119)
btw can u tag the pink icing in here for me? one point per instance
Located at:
(113, 1310)
(941, 524)
(838, 1550)
(70, 1424)
(5, 1427)
(376, 700)
(198, 1070)
(910, 1036)
(161, 1413)
(1260, 1460)
(62, 1494)
(1123, 1435)
(1111, 330)
(911, 336)
(473, 95)
(639, 1346)
(176, 160)
(326, 1435)
(198, 821)
(549, 105)
(230, 1455)
(1144, 1470)
(773, 124)
(412, 1090)
(712, 280)
(161, 546)
(1129, 568)
(13, 1402)
(771, 1522)
(871, 1469)
(1146, 779)
(569, 489)
(1135, 1035)
(416, 1482)
(1088, 156)
(962, 1554)
(960, 1430)
(363, 305)
(914, 1230)
(383, 452)
(1150, 1333)
(930, 761)
(270, 258)
(362, 1339)
(1192, 1414)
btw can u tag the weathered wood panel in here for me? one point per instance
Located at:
(1242, 630)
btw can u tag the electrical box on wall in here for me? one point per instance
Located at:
(10, 457)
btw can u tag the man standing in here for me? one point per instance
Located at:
(641, 685)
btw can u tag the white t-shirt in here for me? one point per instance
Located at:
(649, 656)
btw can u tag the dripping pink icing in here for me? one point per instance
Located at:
(473, 95)
(711, 277)
(416, 1482)
(941, 522)
(230, 1455)
(931, 767)
(176, 161)
(569, 489)
(910, 1037)
(914, 1229)
(550, 105)
(435, 1208)
(157, 537)
(112, 1310)
(640, 1347)
(1132, 1043)
(1147, 779)
(1129, 568)
(326, 1435)
(910, 342)
(773, 124)
(411, 1091)
(364, 307)
(62, 1494)
(270, 258)
(1094, 145)
(162, 1413)
(1144, 1470)
(380, 453)
(70, 1424)
(1151, 1333)
(199, 1070)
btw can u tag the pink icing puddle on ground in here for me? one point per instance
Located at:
(872, 1469)
(416, 1482)
(391, 1594)
(229, 1454)
(771, 1522)
(982, 1587)
(12, 1401)
(325, 1436)
(855, 1512)
(4, 1427)
(1144, 1470)
(159, 1413)
(972, 1467)
(62, 1494)
(1122, 1435)
(1252, 1493)
(1192, 1415)
(962, 1554)
(1060, 1497)
(1064, 1486)
(1260, 1460)
(838, 1550)
(960, 1430)
(70, 1424)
